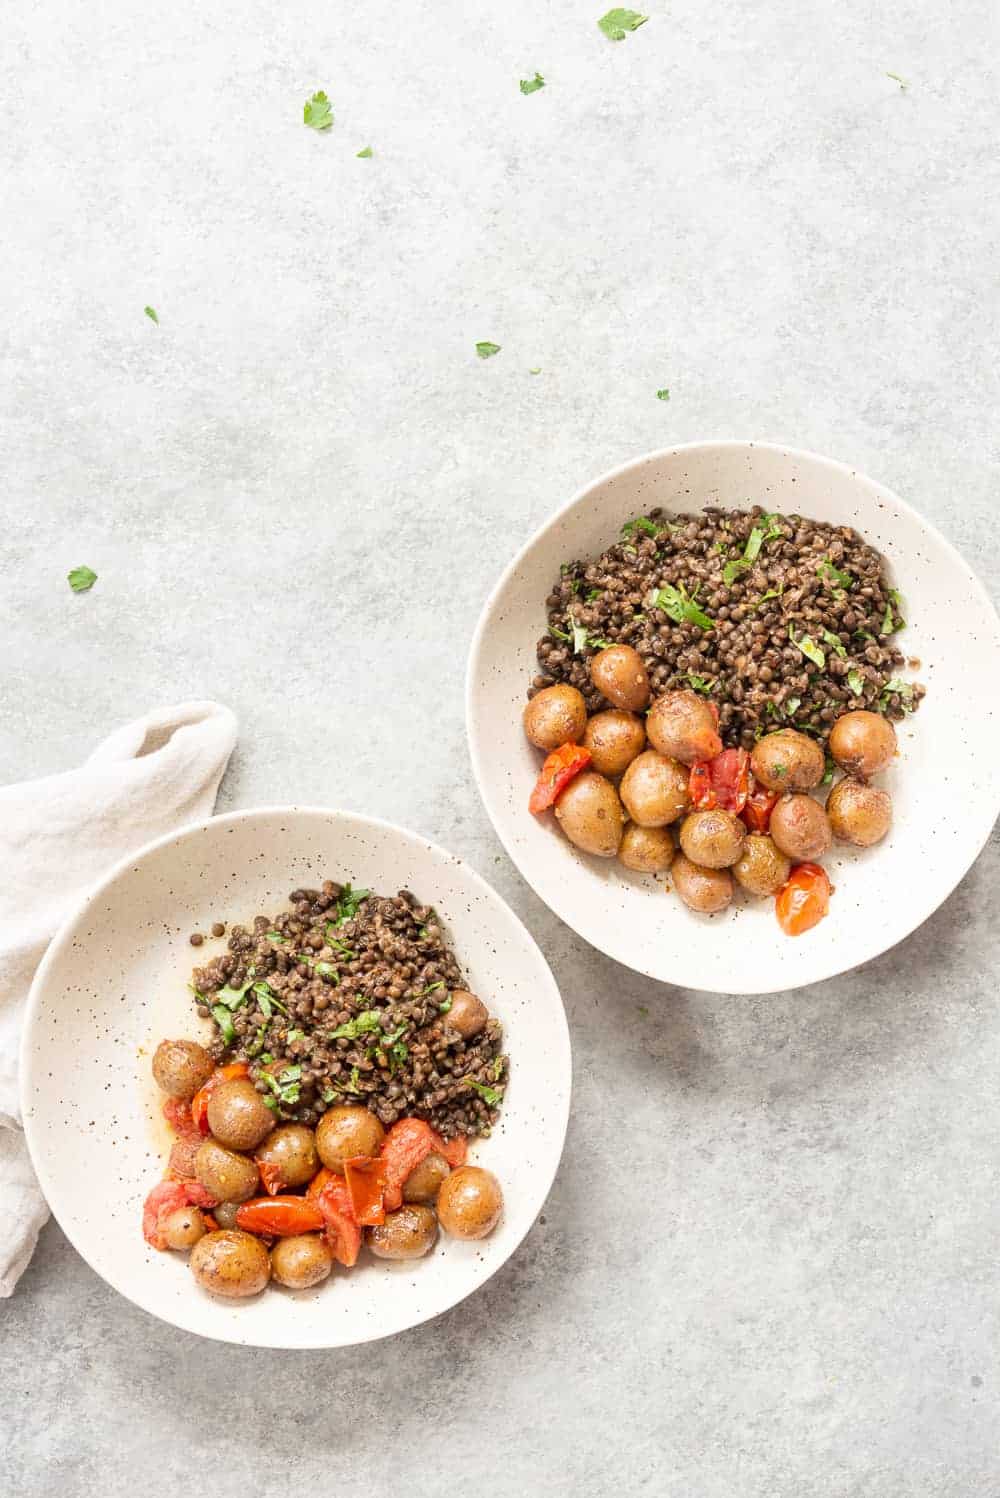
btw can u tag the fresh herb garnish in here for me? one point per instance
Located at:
(349, 903)
(676, 604)
(497, 1068)
(594, 593)
(445, 1005)
(732, 570)
(399, 1052)
(893, 619)
(330, 1094)
(490, 1095)
(833, 574)
(233, 997)
(617, 22)
(856, 681)
(831, 765)
(81, 578)
(277, 936)
(433, 989)
(365, 154)
(559, 634)
(791, 706)
(771, 593)
(536, 370)
(701, 684)
(266, 997)
(663, 395)
(903, 82)
(295, 1035)
(835, 643)
(266, 1057)
(486, 350)
(286, 1088)
(809, 648)
(532, 85)
(362, 1024)
(151, 313)
(897, 687)
(224, 1021)
(355, 1079)
(779, 770)
(317, 112)
(643, 523)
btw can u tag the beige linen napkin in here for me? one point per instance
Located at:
(58, 836)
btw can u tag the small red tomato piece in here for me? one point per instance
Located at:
(730, 772)
(701, 792)
(365, 1179)
(803, 900)
(760, 804)
(279, 1216)
(558, 770)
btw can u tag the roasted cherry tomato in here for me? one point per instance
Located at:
(557, 772)
(178, 1116)
(330, 1194)
(730, 772)
(279, 1216)
(701, 792)
(199, 1103)
(803, 900)
(408, 1143)
(365, 1179)
(760, 804)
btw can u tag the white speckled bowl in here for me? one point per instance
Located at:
(113, 983)
(945, 783)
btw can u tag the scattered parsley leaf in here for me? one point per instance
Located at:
(779, 770)
(663, 395)
(642, 524)
(355, 1079)
(445, 1005)
(432, 989)
(364, 1023)
(897, 687)
(617, 22)
(771, 593)
(809, 648)
(497, 1068)
(676, 604)
(893, 620)
(831, 765)
(732, 570)
(224, 1021)
(276, 936)
(349, 903)
(490, 1095)
(594, 593)
(835, 644)
(317, 112)
(833, 574)
(856, 681)
(791, 706)
(532, 85)
(903, 82)
(534, 371)
(81, 579)
(701, 684)
(559, 634)
(487, 350)
(366, 154)
(151, 313)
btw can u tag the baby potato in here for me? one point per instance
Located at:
(788, 761)
(619, 674)
(859, 813)
(761, 868)
(407, 1234)
(469, 1202)
(800, 829)
(704, 890)
(287, 1158)
(231, 1263)
(344, 1133)
(683, 726)
(648, 850)
(654, 789)
(555, 715)
(237, 1114)
(183, 1228)
(862, 743)
(591, 815)
(225, 1214)
(301, 1261)
(467, 1015)
(228, 1176)
(182, 1155)
(423, 1183)
(614, 738)
(713, 839)
(180, 1067)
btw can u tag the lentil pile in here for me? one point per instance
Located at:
(783, 621)
(344, 998)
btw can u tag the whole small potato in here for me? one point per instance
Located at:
(407, 1234)
(788, 761)
(230, 1263)
(287, 1158)
(182, 1156)
(225, 1214)
(467, 1015)
(683, 726)
(859, 813)
(703, 890)
(614, 738)
(648, 850)
(344, 1133)
(469, 1202)
(237, 1114)
(555, 715)
(761, 868)
(591, 815)
(228, 1176)
(180, 1067)
(301, 1261)
(183, 1228)
(863, 743)
(800, 829)
(654, 789)
(619, 674)
(423, 1183)
(713, 839)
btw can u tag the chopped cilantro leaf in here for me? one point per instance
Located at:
(224, 1021)
(701, 684)
(618, 21)
(791, 706)
(834, 643)
(365, 1023)
(903, 82)
(490, 1095)
(663, 395)
(897, 687)
(81, 579)
(365, 154)
(856, 681)
(809, 648)
(676, 604)
(732, 570)
(642, 524)
(833, 574)
(532, 85)
(317, 112)
(151, 313)
(486, 350)
(534, 371)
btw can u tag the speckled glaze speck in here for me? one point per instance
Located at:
(945, 782)
(114, 982)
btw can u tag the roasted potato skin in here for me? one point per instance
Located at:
(238, 1117)
(423, 1184)
(619, 674)
(682, 726)
(345, 1132)
(468, 1014)
(183, 1228)
(761, 868)
(712, 839)
(225, 1214)
(863, 743)
(301, 1261)
(654, 789)
(788, 761)
(859, 813)
(647, 850)
(180, 1067)
(590, 813)
(290, 1149)
(614, 738)
(705, 891)
(799, 828)
(229, 1176)
(470, 1202)
(231, 1263)
(554, 716)
(408, 1233)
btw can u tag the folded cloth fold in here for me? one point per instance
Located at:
(58, 836)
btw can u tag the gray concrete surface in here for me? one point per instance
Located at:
(769, 1264)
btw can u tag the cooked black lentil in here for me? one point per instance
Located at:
(808, 584)
(343, 999)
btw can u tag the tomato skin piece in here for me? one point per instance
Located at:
(406, 1145)
(803, 900)
(279, 1216)
(455, 1151)
(365, 1177)
(730, 772)
(701, 792)
(559, 769)
(199, 1103)
(178, 1116)
(759, 806)
(341, 1228)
